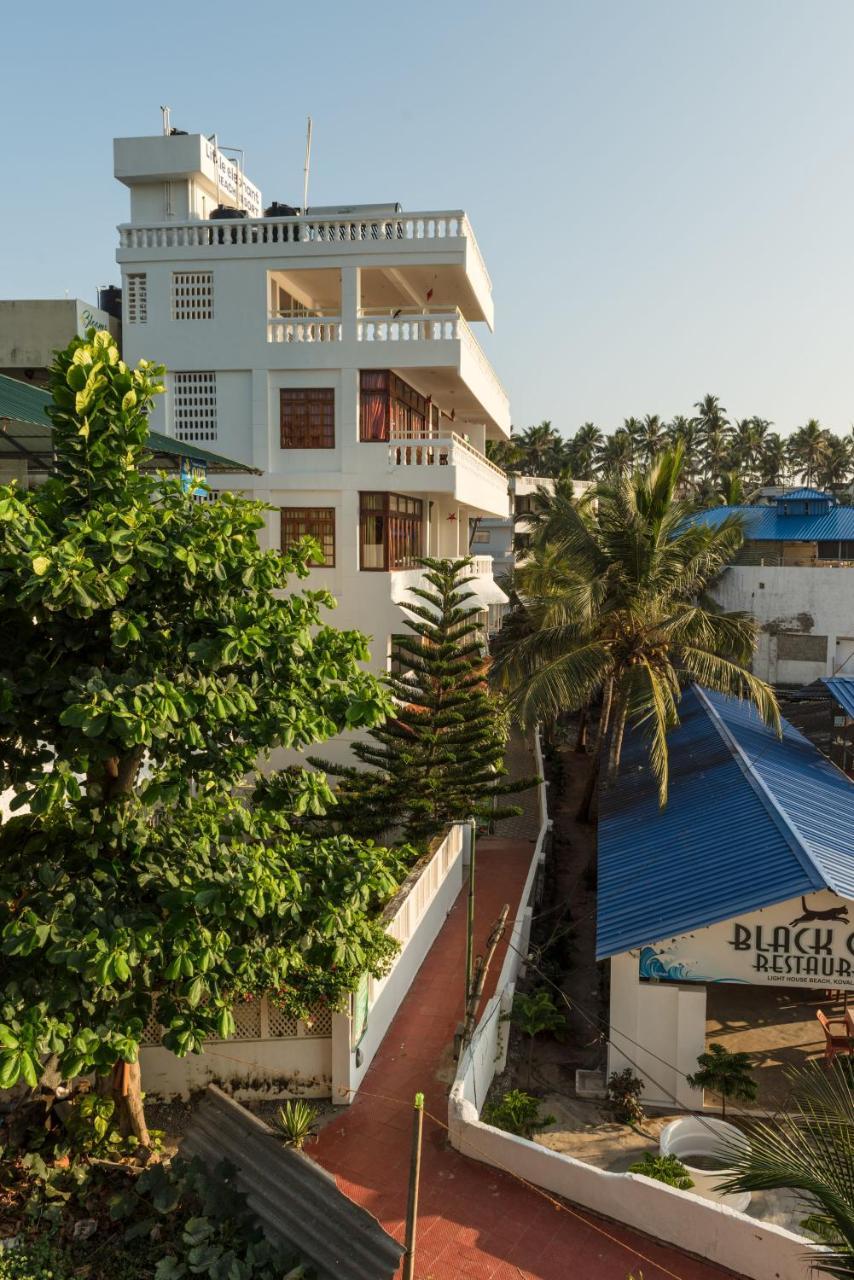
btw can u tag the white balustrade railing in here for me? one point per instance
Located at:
(298, 232)
(428, 327)
(304, 329)
(482, 566)
(408, 328)
(451, 451)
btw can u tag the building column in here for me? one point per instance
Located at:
(262, 428)
(351, 300)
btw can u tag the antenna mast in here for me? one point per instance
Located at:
(307, 167)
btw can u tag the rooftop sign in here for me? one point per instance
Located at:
(232, 182)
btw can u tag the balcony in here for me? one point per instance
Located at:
(397, 241)
(436, 349)
(446, 463)
(445, 353)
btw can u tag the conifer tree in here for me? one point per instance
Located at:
(440, 758)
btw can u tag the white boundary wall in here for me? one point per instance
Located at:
(273, 1056)
(746, 1245)
(415, 917)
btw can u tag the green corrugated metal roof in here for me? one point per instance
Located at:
(25, 407)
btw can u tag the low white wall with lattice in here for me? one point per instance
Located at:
(270, 1054)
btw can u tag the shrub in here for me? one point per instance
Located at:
(517, 1112)
(666, 1169)
(624, 1090)
(296, 1122)
(40, 1259)
(534, 1014)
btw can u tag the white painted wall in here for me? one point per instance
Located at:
(730, 1239)
(245, 1068)
(792, 598)
(661, 1028)
(415, 918)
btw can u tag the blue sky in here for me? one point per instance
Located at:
(663, 189)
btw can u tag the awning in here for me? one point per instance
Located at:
(27, 432)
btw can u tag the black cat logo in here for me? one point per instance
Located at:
(832, 913)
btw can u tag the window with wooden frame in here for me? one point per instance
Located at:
(307, 417)
(391, 531)
(390, 409)
(310, 522)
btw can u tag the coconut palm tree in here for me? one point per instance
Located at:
(649, 439)
(537, 441)
(507, 454)
(809, 1149)
(834, 469)
(625, 622)
(583, 448)
(773, 460)
(683, 431)
(807, 449)
(714, 431)
(615, 454)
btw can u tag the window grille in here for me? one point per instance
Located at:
(192, 295)
(307, 417)
(312, 522)
(137, 291)
(194, 406)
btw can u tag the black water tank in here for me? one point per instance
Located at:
(110, 300)
(226, 211)
(279, 210)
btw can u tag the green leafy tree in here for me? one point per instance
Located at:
(726, 1074)
(151, 652)
(533, 1015)
(440, 758)
(808, 1149)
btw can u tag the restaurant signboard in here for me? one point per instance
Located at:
(804, 942)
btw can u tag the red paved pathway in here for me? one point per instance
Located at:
(473, 1220)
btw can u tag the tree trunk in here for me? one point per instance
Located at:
(581, 736)
(616, 746)
(585, 808)
(127, 1095)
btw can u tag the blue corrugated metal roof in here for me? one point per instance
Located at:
(765, 524)
(751, 820)
(810, 494)
(842, 690)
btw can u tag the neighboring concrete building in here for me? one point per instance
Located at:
(506, 539)
(31, 329)
(334, 352)
(795, 574)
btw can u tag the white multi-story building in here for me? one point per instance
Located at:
(334, 352)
